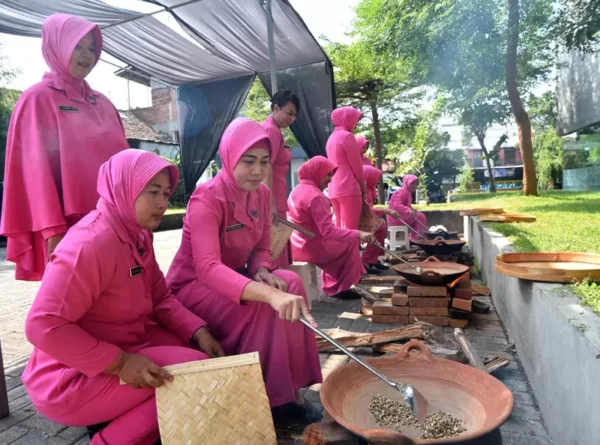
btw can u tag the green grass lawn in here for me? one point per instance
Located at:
(172, 210)
(566, 222)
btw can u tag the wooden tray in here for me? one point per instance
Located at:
(551, 267)
(480, 211)
(508, 217)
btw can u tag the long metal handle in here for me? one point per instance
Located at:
(352, 355)
(410, 228)
(398, 257)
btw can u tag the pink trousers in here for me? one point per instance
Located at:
(347, 211)
(372, 253)
(131, 412)
(288, 352)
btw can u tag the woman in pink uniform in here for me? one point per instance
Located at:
(363, 146)
(285, 106)
(401, 202)
(104, 312)
(347, 187)
(60, 132)
(223, 273)
(371, 255)
(334, 250)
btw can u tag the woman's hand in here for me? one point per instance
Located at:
(393, 213)
(207, 343)
(366, 237)
(290, 307)
(139, 371)
(265, 277)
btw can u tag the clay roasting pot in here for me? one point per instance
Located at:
(440, 246)
(481, 401)
(434, 272)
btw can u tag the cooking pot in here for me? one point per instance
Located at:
(440, 246)
(433, 271)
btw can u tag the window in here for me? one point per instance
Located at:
(510, 156)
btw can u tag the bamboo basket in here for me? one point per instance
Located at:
(221, 401)
(280, 236)
(369, 220)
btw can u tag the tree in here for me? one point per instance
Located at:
(466, 178)
(460, 48)
(443, 163)
(8, 98)
(579, 24)
(379, 89)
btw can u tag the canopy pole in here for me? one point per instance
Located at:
(271, 48)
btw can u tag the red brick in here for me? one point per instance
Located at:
(428, 302)
(463, 294)
(400, 299)
(464, 305)
(457, 323)
(427, 291)
(465, 283)
(400, 319)
(429, 311)
(386, 308)
(436, 321)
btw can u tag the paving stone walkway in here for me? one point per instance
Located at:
(25, 427)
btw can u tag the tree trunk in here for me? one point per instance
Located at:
(378, 151)
(481, 139)
(521, 116)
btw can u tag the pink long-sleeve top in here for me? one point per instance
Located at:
(343, 151)
(226, 231)
(311, 209)
(60, 132)
(401, 201)
(101, 290)
(280, 163)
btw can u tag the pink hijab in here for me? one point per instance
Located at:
(121, 180)
(60, 35)
(372, 175)
(240, 136)
(363, 144)
(346, 118)
(313, 170)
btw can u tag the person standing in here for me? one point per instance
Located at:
(347, 188)
(285, 106)
(60, 132)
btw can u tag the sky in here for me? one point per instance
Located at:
(331, 18)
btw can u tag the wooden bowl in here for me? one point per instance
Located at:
(480, 211)
(508, 217)
(481, 401)
(560, 267)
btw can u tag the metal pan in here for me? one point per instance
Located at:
(444, 234)
(440, 246)
(433, 273)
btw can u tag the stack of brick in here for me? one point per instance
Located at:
(428, 304)
(395, 309)
(460, 305)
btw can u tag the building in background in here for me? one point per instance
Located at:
(141, 135)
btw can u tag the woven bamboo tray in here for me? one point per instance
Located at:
(369, 220)
(553, 267)
(221, 401)
(280, 236)
(508, 217)
(480, 211)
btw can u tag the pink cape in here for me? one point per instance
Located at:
(60, 132)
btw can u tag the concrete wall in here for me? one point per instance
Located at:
(578, 179)
(557, 340)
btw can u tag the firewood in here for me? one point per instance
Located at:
(354, 339)
(364, 294)
(467, 349)
(493, 363)
(479, 289)
(378, 279)
(329, 433)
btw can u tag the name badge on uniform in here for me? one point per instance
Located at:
(69, 109)
(135, 271)
(234, 227)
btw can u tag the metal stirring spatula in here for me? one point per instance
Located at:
(398, 257)
(406, 390)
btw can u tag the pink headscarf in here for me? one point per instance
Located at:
(315, 169)
(363, 144)
(372, 175)
(408, 180)
(123, 177)
(60, 35)
(346, 118)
